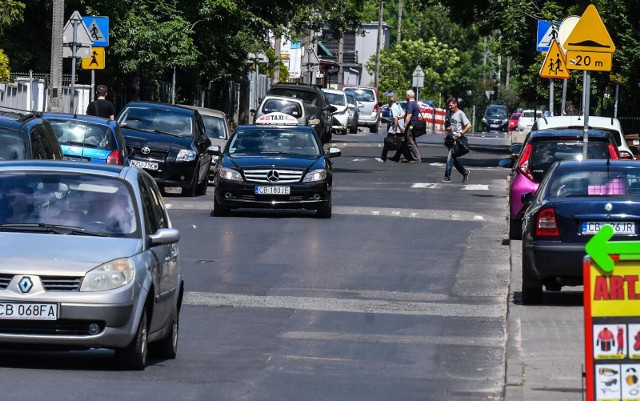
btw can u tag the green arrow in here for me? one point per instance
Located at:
(599, 248)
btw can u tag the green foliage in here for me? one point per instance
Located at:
(397, 64)
(11, 12)
(4, 67)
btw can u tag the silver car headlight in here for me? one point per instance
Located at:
(186, 155)
(313, 120)
(109, 276)
(230, 174)
(315, 175)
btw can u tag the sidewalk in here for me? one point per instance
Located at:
(545, 343)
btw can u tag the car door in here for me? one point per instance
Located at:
(164, 257)
(202, 143)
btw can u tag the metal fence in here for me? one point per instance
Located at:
(630, 125)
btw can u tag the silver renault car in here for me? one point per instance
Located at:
(89, 259)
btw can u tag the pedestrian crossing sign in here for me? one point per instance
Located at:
(545, 35)
(555, 63)
(95, 61)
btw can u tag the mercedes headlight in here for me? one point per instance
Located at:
(230, 174)
(315, 175)
(109, 276)
(186, 155)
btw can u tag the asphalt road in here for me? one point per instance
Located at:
(401, 295)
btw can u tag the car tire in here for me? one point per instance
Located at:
(167, 347)
(515, 229)
(354, 128)
(218, 209)
(374, 128)
(134, 356)
(324, 212)
(190, 191)
(531, 288)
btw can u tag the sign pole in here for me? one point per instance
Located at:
(73, 66)
(586, 91)
(551, 95)
(93, 84)
(563, 110)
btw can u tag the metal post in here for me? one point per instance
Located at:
(30, 90)
(57, 23)
(563, 111)
(551, 96)
(615, 107)
(173, 86)
(586, 88)
(377, 72)
(73, 67)
(93, 85)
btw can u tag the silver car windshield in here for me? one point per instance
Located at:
(66, 204)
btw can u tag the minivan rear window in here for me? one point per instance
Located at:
(363, 95)
(545, 153)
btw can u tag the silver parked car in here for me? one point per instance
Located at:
(90, 260)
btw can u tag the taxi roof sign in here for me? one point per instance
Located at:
(276, 118)
(590, 34)
(555, 63)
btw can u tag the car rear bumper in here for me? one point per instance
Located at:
(368, 119)
(554, 261)
(174, 174)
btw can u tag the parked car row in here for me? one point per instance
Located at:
(562, 191)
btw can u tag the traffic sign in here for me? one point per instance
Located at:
(83, 41)
(98, 28)
(418, 77)
(566, 26)
(589, 61)
(555, 65)
(590, 34)
(546, 34)
(96, 61)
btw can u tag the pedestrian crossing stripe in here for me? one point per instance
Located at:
(555, 63)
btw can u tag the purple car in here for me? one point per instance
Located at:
(539, 151)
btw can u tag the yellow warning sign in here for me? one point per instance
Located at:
(590, 34)
(589, 61)
(95, 61)
(555, 65)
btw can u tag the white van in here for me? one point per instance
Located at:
(577, 122)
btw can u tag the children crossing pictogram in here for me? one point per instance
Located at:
(555, 64)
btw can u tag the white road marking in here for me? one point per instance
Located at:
(343, 305)
(475, 187)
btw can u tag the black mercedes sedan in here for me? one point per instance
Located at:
(170, 143)
(275, 167)
(575, 200)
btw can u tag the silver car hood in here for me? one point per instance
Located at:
(66, 254)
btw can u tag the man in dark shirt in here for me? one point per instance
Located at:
(410, 149)
(101, 107)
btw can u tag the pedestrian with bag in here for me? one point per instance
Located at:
(459, 126)
(101, 107)
(393, 140)
(409, 148)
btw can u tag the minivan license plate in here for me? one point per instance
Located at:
(275, 190)
(619, 227)
(22, 311)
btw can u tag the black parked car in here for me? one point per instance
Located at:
(274, 167)
(25, 135)
(496, 118)
(574, 201)
(317, 109)
(170, 143)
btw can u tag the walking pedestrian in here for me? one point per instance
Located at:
(101, 107)
(394, 131)
(410, 149)
(460, 125)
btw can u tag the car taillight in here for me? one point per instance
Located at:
(613, 152)
(375, 107)
(626, 155)
(115, 158)
(546, 225)
(523, 163)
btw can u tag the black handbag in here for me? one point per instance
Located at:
(448, 141)
(392, 142)
(460, 147)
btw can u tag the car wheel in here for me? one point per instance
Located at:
(324, 212)
(373, 129)
(218, 209)
(354, 128)
(515, 229)
(531, 288)
(167, 347)
(190, 190)
(134, 356)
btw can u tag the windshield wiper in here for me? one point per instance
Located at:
(49, 228)
(157, 131)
